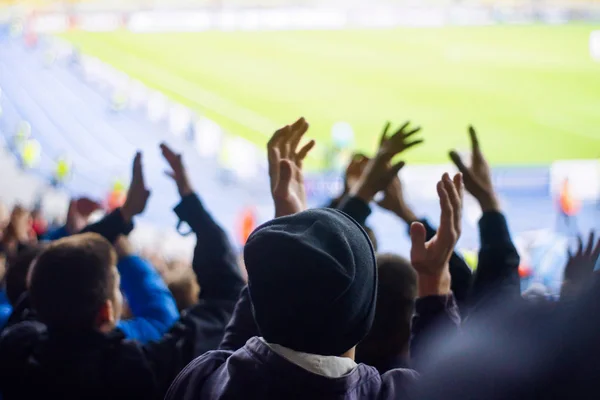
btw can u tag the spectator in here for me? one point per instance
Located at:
(153, 307)
(182, 283)
(387, 346)
(312, 284)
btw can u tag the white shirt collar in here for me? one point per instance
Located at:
(329, 366)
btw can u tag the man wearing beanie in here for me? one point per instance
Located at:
(312, 281)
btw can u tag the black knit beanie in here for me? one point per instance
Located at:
(312, 281)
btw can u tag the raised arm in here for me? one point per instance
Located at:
(215, 263)
(460, 272)
(498, 266)
(151, 303)
(579, 270)
(435, 309)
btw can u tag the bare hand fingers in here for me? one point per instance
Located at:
(304, 151)
(137, 173)
(457, 160)
(384, 133)
(274, 141)
(299, 128)
(596, 252)
(454, 198)
(407, 146)
(590, 245)
(458, 186)
(580, 245)
(412, 132)
(474, 141)
(402, 128)
(446, 218)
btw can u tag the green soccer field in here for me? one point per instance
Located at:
(533, 92)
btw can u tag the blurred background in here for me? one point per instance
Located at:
(83, 84)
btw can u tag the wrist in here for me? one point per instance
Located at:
(489, 202)
(435, 284)
(126, 213)
(185, 190)
(406, 214)
(363, 192)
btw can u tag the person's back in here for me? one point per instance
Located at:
(313, 284)
(35, 364)
(257, 372)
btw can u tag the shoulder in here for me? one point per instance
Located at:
(21, 334)
(197, 372)
(396, 383)
(19, 342)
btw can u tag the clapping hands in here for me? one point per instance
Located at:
(138, 194)
(431, 258)
(379, 171)
(285, 168)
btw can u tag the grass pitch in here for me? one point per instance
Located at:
(532, 92)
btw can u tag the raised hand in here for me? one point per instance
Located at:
(79, 213)
(285, 168)
(580, 266)
(393, 200)
(477, 177)
(137, 195)
(379, 171)
(178, 172)
(19, 228)
(430, 259)
(354, 171)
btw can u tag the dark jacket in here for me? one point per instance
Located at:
(217, 271)
(497, 274)
(256, 372)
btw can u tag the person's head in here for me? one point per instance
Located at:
(74, 285)
(17, 271)
(372, 237)
(396, 294)
(183, 284)
(312, 281)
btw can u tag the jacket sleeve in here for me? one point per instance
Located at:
(111, 226)
(5, 309)
(242, 326)
(151, 302)
(459, 270)
(186, 340)
(498, 266)
(55, 234)
(434, 316)
(215, 263)
(356, 208)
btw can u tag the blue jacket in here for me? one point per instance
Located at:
(149, 299)
(5, 309)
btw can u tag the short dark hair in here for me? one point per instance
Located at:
(396, 296)
(71, 280)
(17, 269)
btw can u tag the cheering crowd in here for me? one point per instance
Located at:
(320, 315)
